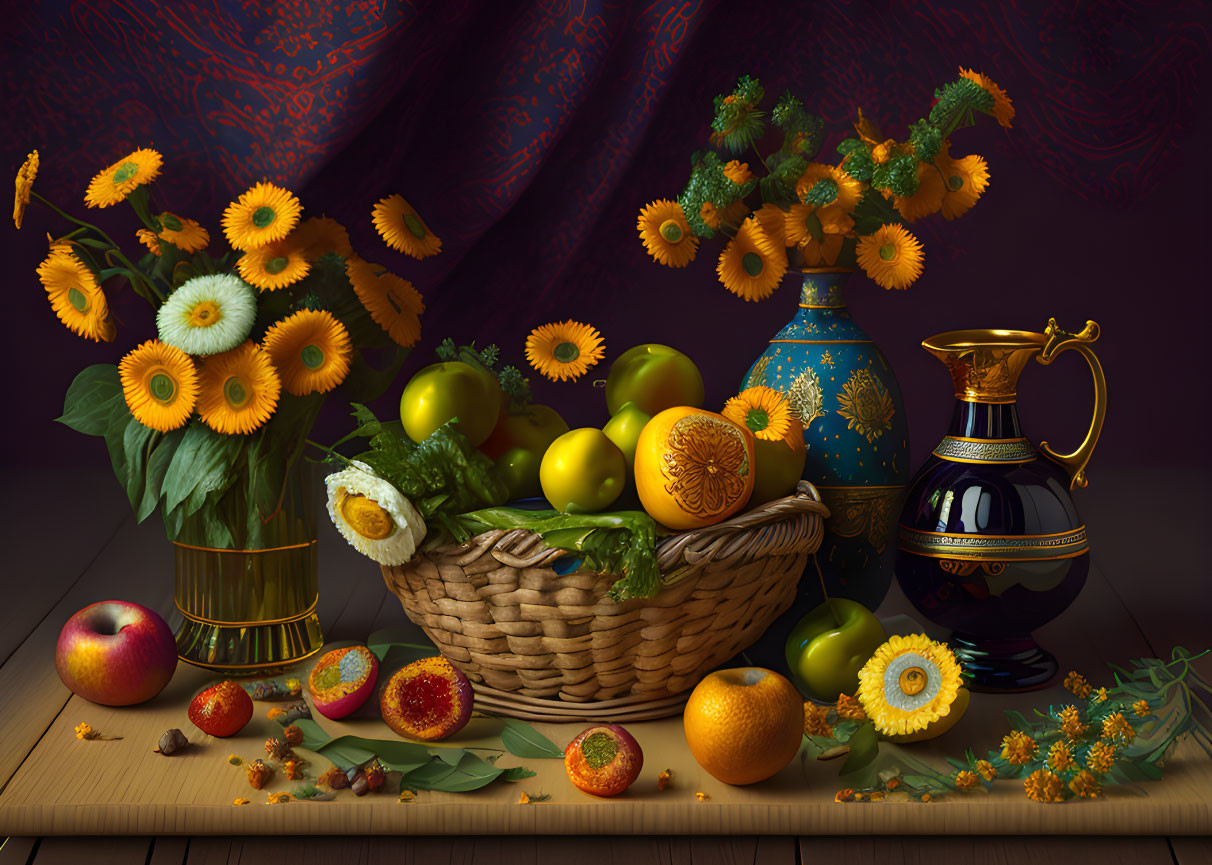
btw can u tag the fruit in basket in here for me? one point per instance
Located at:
(582, 472)
(451, 389)
(430, 699)
(654, 377)
(827, 648)
(518, 469)
(624, 428)
(518, 443)
(342, 681)
(604, 760)
(116, 653)
(693, 467)
(744, 725)
(534, 427)
(778, 465)
(221, 710)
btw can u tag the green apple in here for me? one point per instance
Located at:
(828, 647)
(624, 430)
(519, 469)
(654, 377)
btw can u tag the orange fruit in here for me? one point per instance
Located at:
(693, 467)
(744, 725)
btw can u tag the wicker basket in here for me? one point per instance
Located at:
(545, 646)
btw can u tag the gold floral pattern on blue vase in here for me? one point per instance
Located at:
(866, 404)
(807, 399)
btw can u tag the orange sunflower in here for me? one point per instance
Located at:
(274, 265)
(929, 196)
(311, 350)
(563, 351)
(187, 235)
(891, 256)
(160, 385)
(821, 185)
(24, 183)
(238, 390)
(321, 235)
(75, 296)
(116, 182)
(261, 215)
(1003, 108)
(965, 181)
(392, 301)
(402, 228)
(752, 264)
(666, 234)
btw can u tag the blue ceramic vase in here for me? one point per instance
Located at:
(847, 398)
(990, 543)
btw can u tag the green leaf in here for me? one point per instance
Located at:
(517, 773)
(115, 439)
(472, 774)
(347, 751)
(390, 643)
(201, 464)
(90, 399)
(427, 776)
(157, 466)
(450, 756)
(864, 745)
(137, 442)
(523, 740)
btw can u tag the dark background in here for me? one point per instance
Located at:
(529, 135)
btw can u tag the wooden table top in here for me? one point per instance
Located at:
(1143, 596)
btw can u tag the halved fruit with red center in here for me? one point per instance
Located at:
(343, 680)
(604, 760)
(429, 699)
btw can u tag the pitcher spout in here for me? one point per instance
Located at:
(985, 364)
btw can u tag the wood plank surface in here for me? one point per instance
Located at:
(657, 850)
(17, 850)
(1191, 851)
(987, 851)
(120, 787)
(38, 570)
(92, 851)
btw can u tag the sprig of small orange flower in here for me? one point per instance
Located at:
(85, 733)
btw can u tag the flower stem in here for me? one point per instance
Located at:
(825, 592)
(136, 273)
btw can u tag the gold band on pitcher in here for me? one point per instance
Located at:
(959, 449)
(1024, 548)
(260, 623)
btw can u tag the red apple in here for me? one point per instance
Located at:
(116, 653)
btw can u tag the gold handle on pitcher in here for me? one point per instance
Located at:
(1058, 341)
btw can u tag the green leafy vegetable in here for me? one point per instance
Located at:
(623, 542)
(443, 476)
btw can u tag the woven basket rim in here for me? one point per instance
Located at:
(806, 499)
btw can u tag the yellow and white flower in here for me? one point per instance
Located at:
(208, 314)
(370, 513)
(910, 682)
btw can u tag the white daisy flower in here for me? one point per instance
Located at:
(208, 314)
(373, 516)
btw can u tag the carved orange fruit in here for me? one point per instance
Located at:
(693, 467)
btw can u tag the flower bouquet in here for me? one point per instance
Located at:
(847, 215)
(207, 420)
